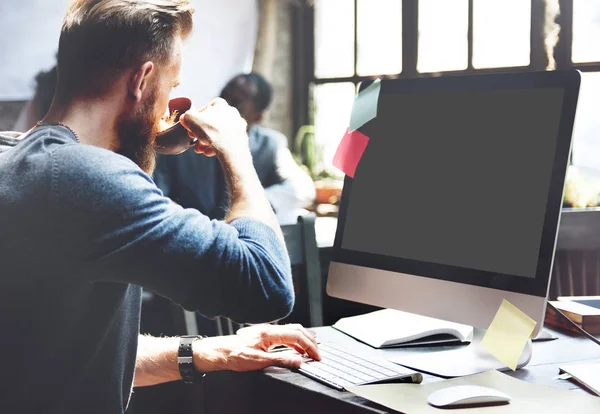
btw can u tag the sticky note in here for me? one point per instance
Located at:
(348, 154)
(365, 105)
(508, 333)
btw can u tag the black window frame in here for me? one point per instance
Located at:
(304, 48)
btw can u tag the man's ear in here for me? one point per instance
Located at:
(139, 80)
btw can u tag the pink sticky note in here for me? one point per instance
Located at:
(350, 151)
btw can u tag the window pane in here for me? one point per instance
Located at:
(586, 133)
(332, 105)
(379, 37)
(443, 27)
(586, 31)
(501, 33)
(334, 38)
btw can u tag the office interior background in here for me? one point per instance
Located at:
(316, 53)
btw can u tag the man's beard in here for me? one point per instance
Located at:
(137, 135)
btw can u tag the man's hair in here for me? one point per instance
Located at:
(264, 93)
(101, 38)
(264, 90)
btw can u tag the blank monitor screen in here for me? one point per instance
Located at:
(462, 180)
(455, 179)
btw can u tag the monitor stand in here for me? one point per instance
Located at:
(461, 361)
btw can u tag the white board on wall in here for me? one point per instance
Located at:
(29, 32)
(221, 46)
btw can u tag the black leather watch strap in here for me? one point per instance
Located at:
(185, 359)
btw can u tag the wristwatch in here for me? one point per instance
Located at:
(185, 359)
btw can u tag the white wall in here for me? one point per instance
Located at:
(29, 31)
(221, 46)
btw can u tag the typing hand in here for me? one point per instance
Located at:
(249, 349)
(218, 127)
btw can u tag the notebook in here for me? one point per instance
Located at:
(587, 317)
(587, 375)
(593, 301)
(391, 328)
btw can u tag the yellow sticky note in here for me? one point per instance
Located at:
(508, 333)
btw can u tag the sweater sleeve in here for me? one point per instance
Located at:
(120, 228)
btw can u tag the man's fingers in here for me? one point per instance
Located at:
(308, 346)
(281, 359)
(298, 349)
(253, 359)
(193, 122)
(305, 339)
(294, 338)
(218, 101)
(203, 122)
(209, 151)
(202, 146)
(308, 333)
(292, 335)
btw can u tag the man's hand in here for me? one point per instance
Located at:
(221, 131)
(249, 349)
(218, 127)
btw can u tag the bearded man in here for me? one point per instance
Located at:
(84, 227)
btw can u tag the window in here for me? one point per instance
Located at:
(333, 104)
(501, 33)
(586, 31)
(353, 39)
(443, 35)
(586, 134)
(379, 31)
(334, 38)
(356, 40)
(582, 19)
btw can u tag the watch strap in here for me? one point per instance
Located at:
(185, 359)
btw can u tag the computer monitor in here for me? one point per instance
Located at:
(455, 203)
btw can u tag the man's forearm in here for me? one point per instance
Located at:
(156, 361)
(248, 198)
(221, 131)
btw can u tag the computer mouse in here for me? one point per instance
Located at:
(460, 395)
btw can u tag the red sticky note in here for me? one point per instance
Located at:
(350, 151)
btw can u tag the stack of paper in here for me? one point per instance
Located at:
(587, 375)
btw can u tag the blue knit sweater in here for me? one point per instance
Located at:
(81, 229)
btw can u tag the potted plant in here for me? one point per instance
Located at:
(309, 152)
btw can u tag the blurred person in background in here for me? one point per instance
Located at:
(198, 182)
(38, 106)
